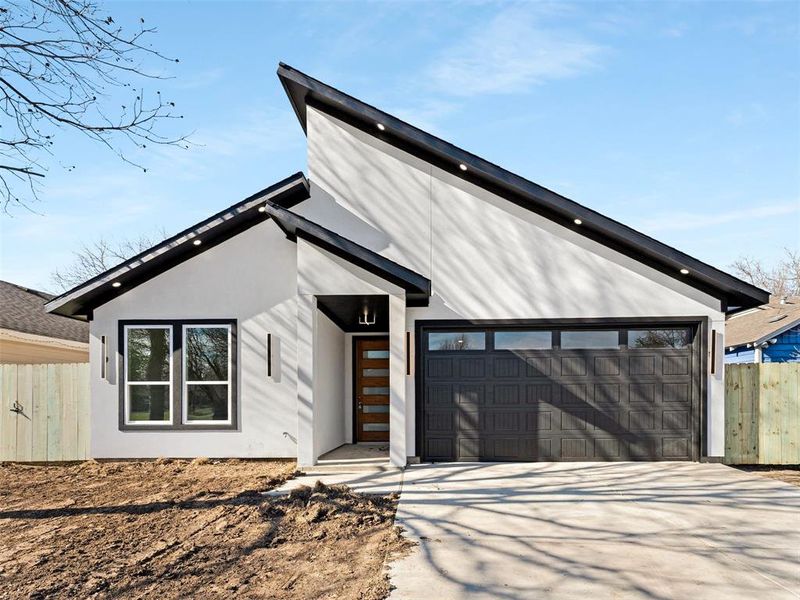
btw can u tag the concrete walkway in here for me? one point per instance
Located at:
(592, 531)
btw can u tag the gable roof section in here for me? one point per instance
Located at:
(764, 323)
(222, 226)
(417, 287)
(304, 91)
(22, 309)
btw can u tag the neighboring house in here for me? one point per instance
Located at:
(768, 333)
(31, 335)
(410, 293)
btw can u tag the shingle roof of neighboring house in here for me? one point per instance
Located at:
(22, 309)
(762, 323)
(304, 91)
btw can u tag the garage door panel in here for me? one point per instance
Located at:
(505, 394)
(573, 366)
(607, 365)
(438, 422)
(471, 368)
(539, 393)
(675, 448)
(439, 395)
(470, 395)
(559, 404)
(508, 367)
(575, 420)
(540, 420)
(574, 393)
(539, 366)
(441, 367)
(607, 393)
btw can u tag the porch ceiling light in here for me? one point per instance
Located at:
(577, 222)
(684, 271)
(364, 318)
(381, 126)
(197, 242)
(116, 284)
(462, 166)
(262, 209)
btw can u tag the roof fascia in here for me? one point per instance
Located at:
(304, 90)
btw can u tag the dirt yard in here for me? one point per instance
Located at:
(789, 474)
(179, 529)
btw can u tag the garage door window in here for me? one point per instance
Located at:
(584, 340)
(523, 340)
(658, 338)
(456, 341)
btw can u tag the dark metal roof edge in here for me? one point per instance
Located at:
(289, 185)
(298, 226)
(480, 171)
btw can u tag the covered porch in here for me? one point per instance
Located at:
(347, 296)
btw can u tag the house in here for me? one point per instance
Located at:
(31, 335)
(768, 333)
(412, 294)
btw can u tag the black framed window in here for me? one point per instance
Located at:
(659, 338)
(455, 341)
(178, 374)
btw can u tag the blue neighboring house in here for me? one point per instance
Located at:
(769, 333)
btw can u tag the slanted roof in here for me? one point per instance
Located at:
(22, 309)
(756, 326)
(417, 287)
(82, 299)
(304, 91)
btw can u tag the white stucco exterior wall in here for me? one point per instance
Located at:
(329, 375)
(252, 278)
(486, 257)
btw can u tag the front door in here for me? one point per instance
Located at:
(372, 389)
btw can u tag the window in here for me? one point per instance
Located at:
(523, 340)
(148, 374)
(206, 374)
(456, 341)
(659, 338)
(586, 340)
(178, 374)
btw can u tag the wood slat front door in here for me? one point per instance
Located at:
(372, 390)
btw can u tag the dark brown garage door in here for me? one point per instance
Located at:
(560, 393)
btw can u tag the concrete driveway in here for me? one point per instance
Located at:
(597, 530)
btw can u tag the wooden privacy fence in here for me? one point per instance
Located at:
(762, 414)
(45, 412)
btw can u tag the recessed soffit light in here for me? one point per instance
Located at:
(262, 209)
(197, 242)
(462, 166)
(116, 284)
(684, 271)
(381, 126)
(577, 222)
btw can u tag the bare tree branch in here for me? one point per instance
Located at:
(66, 66)
(780, 280)
(98, 257)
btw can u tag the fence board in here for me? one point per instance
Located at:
(53, 421)
(762, 413)
(24, 418)
(39, 412)
(8, 420)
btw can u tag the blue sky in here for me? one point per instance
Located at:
(679, 119)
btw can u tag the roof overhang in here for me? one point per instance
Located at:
(83, 299)
(416, 286)
(303, 91)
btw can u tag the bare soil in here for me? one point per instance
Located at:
(789, 474)
(180, 529)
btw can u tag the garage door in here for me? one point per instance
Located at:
(560, 393)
